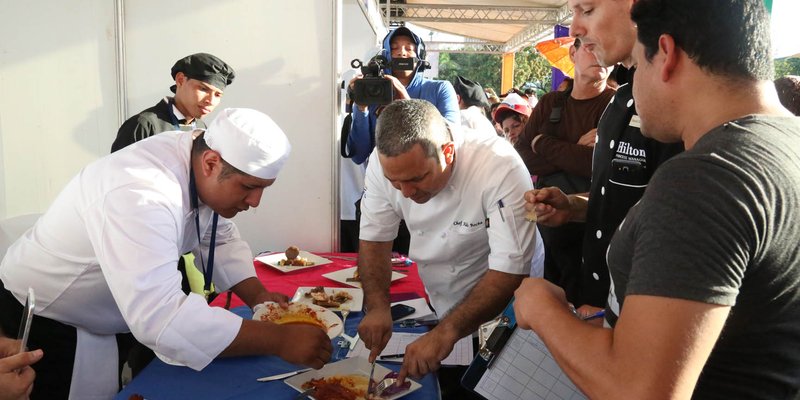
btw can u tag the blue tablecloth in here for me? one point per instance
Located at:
(235, 378)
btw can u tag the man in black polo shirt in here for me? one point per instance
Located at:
(623, 159)
(200, 80)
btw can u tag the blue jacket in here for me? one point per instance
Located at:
(441, 93)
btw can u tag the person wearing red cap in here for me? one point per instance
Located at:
(512, 115)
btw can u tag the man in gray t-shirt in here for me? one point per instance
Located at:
(718, 225)
(705, 269)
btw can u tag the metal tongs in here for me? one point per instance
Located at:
(415, 322)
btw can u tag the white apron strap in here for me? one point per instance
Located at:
(95, 372)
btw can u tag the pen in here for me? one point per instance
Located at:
(500, 207)
(388, 356)
(599, 314)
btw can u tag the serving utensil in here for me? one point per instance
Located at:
(370, 385)
(282, 376)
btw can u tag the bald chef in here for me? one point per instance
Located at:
(102, 259)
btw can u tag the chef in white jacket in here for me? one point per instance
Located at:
(102, 259)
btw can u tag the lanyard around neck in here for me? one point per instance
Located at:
(208, 270)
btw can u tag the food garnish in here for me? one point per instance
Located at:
(321, 298)
(292, 258)
(294, 314)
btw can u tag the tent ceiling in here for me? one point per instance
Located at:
(502, 26)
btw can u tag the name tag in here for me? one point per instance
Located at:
(636, 122)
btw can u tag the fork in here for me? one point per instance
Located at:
(370, 388)
(383, 385)
(345, 311)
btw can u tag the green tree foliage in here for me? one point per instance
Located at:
(530, 68)
(481, 68)
(787, 66)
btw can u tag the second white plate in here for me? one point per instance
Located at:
(355, 305)
(273, 261)
(343, 276)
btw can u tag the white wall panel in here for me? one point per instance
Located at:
(57, 96)
(58, 109)
(282, 52)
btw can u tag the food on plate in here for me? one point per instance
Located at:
(344, 387)
(356, 277)
(351, 387)
(323, 299)
(293, 258)
(294, 314)
(395, 388)
(292, 252)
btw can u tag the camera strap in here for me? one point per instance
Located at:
(345, 134)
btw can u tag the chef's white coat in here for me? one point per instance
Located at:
(103, 257)
(474, 118)
(450, 239)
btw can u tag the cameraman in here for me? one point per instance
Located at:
(407, 84)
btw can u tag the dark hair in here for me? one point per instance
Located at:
(521, 118)
(199, 145)
(406, 123)
(788, 88)
(724, 37)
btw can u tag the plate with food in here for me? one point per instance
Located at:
(293, 259)
(334, 299)
(348, 379)
(349, 276)
(296, 313)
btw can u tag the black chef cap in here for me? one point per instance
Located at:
(204, 67)
(471, 92)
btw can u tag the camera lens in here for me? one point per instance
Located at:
(375, 90)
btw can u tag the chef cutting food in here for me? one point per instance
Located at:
(102, 259)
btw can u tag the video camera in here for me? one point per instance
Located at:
(373, 88)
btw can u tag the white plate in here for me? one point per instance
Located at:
(331, 320)
(342, 275)
(273, 259)
(350, 366)
(355, 304)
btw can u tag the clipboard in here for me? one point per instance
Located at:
(515, 364)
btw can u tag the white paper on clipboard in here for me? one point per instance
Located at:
(525, 369)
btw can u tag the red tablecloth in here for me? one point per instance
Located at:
(288, 282)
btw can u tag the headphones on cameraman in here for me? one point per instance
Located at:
(420, 48)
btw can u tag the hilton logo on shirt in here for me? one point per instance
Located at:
(627, 149)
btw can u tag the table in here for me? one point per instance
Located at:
(287, 283)
(235, 378)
